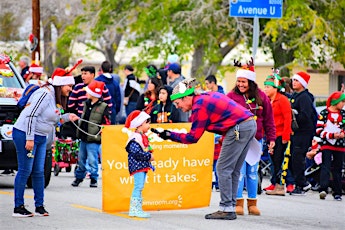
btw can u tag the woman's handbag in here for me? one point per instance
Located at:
(294, 124)
(126, 99)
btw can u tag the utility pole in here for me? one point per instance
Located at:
(35, 55)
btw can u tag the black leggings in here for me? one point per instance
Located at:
(326, 170)
(300, 144)
(278, 158)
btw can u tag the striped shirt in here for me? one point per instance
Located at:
(213, 112)
(78, 96)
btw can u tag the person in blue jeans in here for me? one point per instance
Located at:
(247, 93)
(95, 114)
(37, 120)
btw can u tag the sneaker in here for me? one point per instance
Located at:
(93, 183)
(316, 187)
(338, 198)
(269, 188)
(40, 211)
(307, 187)
(21, 211)
(220, 215)
(76, 182)
(289, 188)
(7, 172)
(298, 191)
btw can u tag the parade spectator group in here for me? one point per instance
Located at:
(243, 120)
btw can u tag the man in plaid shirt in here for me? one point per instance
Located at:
(216, 113)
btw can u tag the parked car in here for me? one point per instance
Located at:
(11, 87)
(320, 108)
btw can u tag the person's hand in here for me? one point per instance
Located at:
(341, 135)
(165, 134)
(73, 117)
(29, 145)
(338, 135)
(271, 147)
(311, 153)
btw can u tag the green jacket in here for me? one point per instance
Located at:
(96, 116)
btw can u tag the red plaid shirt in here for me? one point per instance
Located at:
(213, 112)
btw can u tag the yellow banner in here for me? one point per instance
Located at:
(182, 178)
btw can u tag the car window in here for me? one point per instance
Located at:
(8, 78)
(11, 82)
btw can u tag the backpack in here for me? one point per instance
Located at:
(23, 100)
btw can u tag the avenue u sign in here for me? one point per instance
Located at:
(256, 8)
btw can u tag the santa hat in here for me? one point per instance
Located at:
(95, 88)
(136, 119)
(335, 98)
(302, 77)
(34, 68)
(62, 76)
(247, 71)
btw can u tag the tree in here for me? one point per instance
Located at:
(55, 18)
(202, 28)
(102, 25)
(310, 33)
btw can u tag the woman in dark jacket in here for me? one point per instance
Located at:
(165, 111)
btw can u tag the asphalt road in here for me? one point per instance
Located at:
(81, 208)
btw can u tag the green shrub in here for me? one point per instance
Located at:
(320, 103)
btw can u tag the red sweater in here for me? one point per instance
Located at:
(282, 116)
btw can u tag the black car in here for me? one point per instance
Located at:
(11, 87)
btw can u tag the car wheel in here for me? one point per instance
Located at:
(68, 169)
(48, 168)
(57, 169)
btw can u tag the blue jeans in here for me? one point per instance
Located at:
(89, 152)
(250, 174)
(215, 183)
(139, 182)
(113, 116)
(27, 166)
(130, 107)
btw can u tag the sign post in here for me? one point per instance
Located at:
(256, 9)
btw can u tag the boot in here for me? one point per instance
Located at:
(278, 190)
(135, 208)
(239, 206)
(76, 182)
(252, 209)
